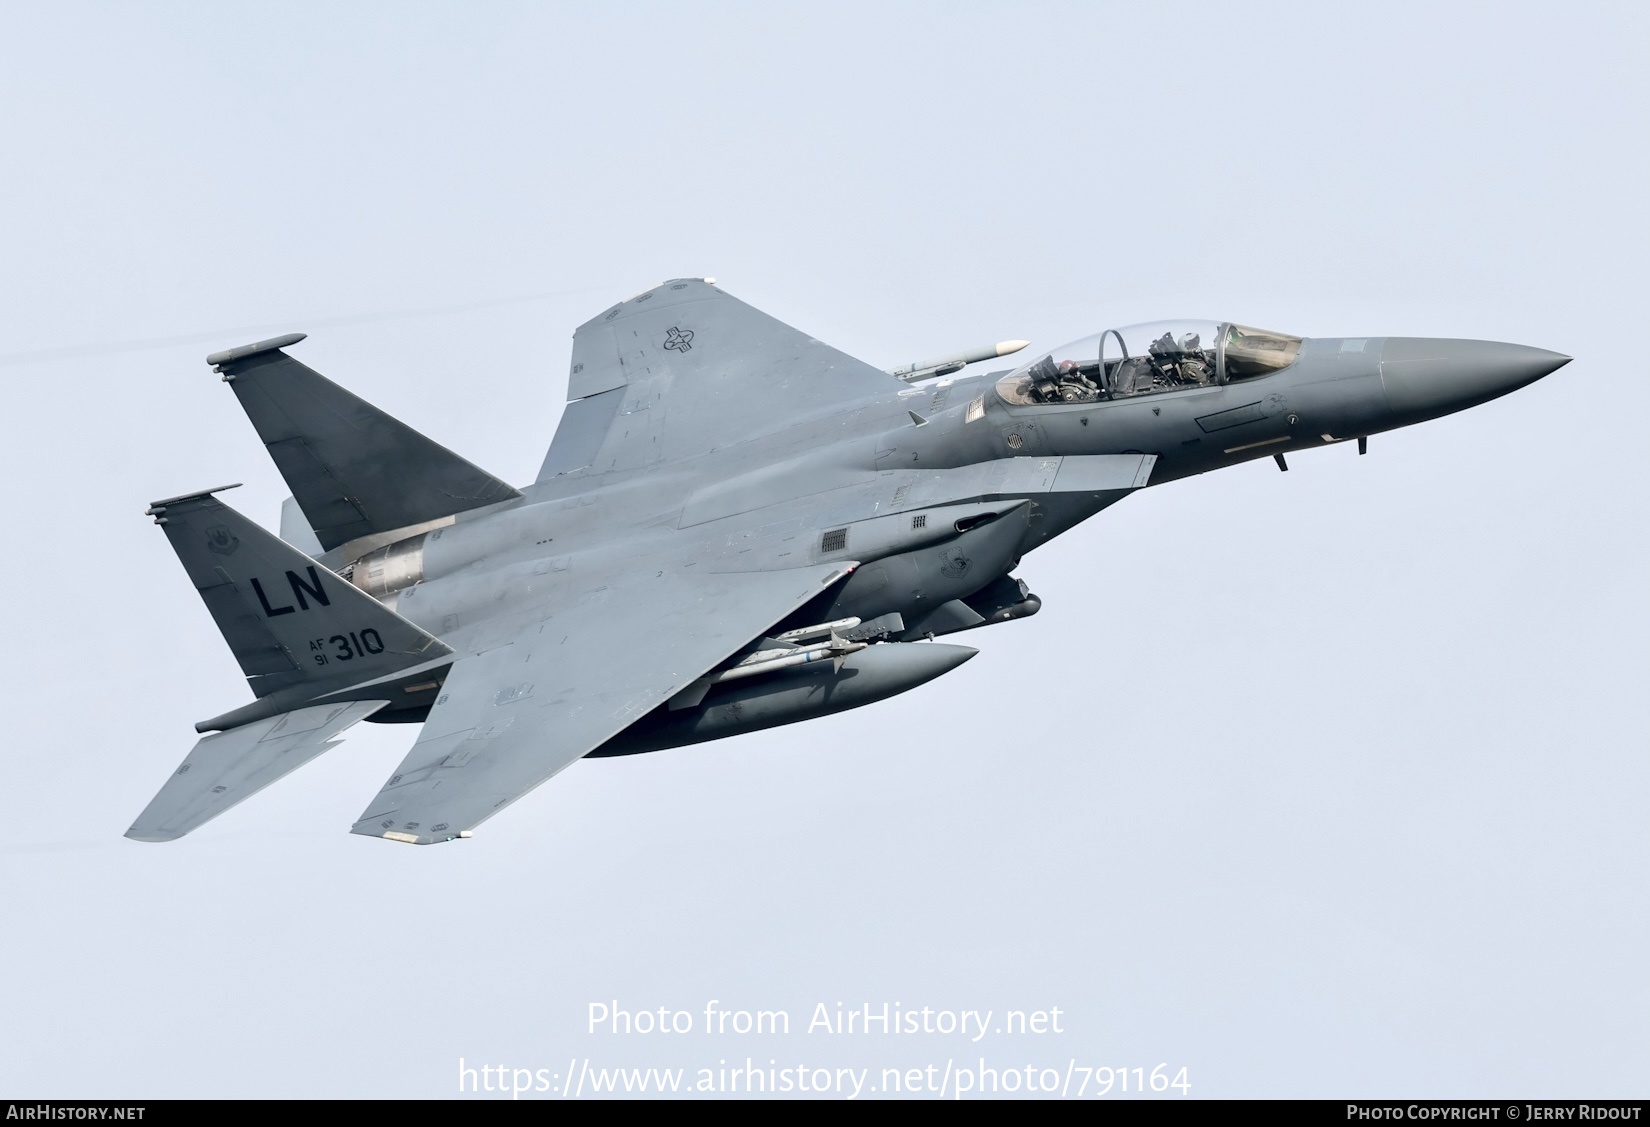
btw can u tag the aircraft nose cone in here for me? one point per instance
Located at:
(1427, 376)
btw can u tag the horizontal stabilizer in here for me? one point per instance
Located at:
(288, 620)
(355, 470)
(226, 768)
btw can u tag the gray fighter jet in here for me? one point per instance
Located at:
(736, 527)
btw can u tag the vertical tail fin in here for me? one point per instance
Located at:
(295, 529)
(355, 470)
(287, 619)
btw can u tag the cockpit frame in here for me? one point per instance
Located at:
(1102, 368)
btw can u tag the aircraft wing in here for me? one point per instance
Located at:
(511, 717)
(685, 369)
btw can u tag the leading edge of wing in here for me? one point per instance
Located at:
(511, 718)
(686, 368)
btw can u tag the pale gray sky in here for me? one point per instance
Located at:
(1324, 784)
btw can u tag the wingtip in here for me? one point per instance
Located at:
(135, 834)
(405, 838)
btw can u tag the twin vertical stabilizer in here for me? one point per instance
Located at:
(288, 620)
(301, 633)
(354, 469)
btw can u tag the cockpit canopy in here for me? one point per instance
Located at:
(1142, 359)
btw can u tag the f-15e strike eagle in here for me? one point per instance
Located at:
(787, 527)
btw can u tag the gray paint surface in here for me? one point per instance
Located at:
(704, 525)
(353, 470)
(1319, 782)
